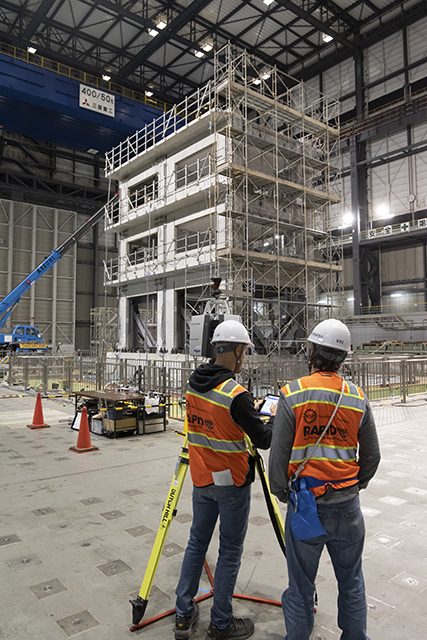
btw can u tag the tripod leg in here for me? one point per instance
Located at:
(272, 506)
(169, 511)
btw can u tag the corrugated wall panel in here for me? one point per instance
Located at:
(399, 186)
(64, 170)
(388, 184)
(378, 193)
(4, 244)
(348, 272)
(348, 105)
(402, 264)
(84, 278)
(84, 173)
(417, 45)
(84, 307)
(340, 80)
(382, 59)
(312, 90)
(388, 190)
(417, 40)
(421, 180)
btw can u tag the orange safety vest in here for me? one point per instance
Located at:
(215, 442)
(313, 399)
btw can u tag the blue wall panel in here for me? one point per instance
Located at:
(41, 104)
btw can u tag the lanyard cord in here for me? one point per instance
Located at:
(304, 462)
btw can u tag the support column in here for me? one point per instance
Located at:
(10, 255)
(33, 266)
(124, 320)
(95, 272)
(425, 274)
(55, 282)
(409, 138)
(75, 250)
(161, 314)
(170, 319)
(359, 203)
(370, 269)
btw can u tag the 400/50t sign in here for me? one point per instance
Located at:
(97, 100)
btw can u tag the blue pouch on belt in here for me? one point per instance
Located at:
(305, 522)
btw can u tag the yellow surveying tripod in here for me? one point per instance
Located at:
(139, 605)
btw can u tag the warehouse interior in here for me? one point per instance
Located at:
(268, 158)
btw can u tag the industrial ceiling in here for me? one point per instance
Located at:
(167, 48)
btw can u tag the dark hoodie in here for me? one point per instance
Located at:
(242, 410)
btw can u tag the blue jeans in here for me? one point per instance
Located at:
(345, 534)
(232, 504)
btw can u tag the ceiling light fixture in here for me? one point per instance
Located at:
(162, 22)
(153, 32)
(31, 49)
(257, 81)
(199, 54)
(207, 45)
(266, 75)
(148, 93)
(326, 37)
(268, 2)
(106, 77)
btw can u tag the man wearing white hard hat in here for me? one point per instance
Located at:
(324, 450)
(219, 413)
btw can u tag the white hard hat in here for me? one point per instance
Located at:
(331, 333)
(231, 331)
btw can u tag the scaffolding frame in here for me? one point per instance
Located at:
(267, 189)
(104, 333)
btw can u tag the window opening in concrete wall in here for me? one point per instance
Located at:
(193, 168)
(143, 192)
(143, 249)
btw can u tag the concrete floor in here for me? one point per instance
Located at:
(76, 532)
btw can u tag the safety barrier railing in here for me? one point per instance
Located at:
(394, 229)
(378, 232)
(182, 114)
(395, 308)
(58, 375)
(194, 241)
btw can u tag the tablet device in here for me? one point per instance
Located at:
(265, 408)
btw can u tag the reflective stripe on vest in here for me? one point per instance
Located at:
(323, 452)
(352, 399)
(200, 440)
(222, 396)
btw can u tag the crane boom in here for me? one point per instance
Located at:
(8, 304)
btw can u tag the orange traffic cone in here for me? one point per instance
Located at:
(83, 440)
(38, 420)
